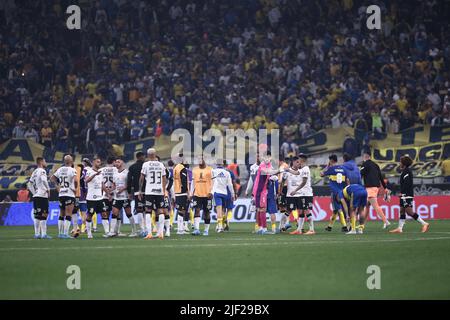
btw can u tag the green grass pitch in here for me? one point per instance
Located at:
(233, 265)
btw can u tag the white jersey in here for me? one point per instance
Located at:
(108, 179)
(251, 179)
(306, 191)
(120, 180)
(153, 172)
(292, 182)
(94, 187)
(66, 180)
(39, 184)
(222, 181)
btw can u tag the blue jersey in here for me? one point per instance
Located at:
(355, 194)
(272, 187)
(337, 175)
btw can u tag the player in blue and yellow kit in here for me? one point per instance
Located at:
(354, 199)
(338, 181)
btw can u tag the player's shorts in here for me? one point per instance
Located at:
(139, 205)
(82, 206)
(281, 200)
(306, 203)
(76, 206)
(108, 205)
(119, 204)
(40, 206)
(66, 201)
(229, 203)
(220, 199)
(406, 202)
(96, 206)
(293, 203)
(181, 202)
(155, 202)
(335, 203)
(372, 192)
(202, 203)
(359, 199)
(272, 206)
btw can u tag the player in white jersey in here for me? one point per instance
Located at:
(156, 195)
(122, 200)
(38, 185)
(301, 195)
(221, 185)
(65, 180)
(94, 197)
(108, 173)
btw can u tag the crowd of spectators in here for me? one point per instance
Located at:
(144, 68)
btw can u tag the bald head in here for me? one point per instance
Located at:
(68, 160)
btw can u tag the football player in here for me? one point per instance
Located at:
(407, 197)
(94, 197)
(338, 181)
(202, 197)
(354, 199)
(66, 185)
(39, 188)
(154, 174)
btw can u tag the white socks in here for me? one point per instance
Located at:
(311, 223)
(37, 229)
(283, 221)
(140, 219)
(75, 221)
(66, 227)
(148, 223)
(401, 223)
(206, 227)
(167, 225)
(180, 224)
(113, 225)
(133, 224)
(419, 219)
(197, 223)
(161, 224)
(43, 224)
(105, 224)
(300, 222)
(89, 228)
(60, 226)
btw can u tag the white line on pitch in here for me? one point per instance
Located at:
(271, 243)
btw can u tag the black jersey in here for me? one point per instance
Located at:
(406, 183)
(134, 174)
(169, 178)
(371, 174)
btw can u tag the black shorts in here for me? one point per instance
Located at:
(66, 201)
(299, 203)
(108, 205)
(96, 206)
(281, 201)
(139, 205)
(181, 203)
(40, 206)
(155, 202)
(119, 204)
(202, 203)
(406, 202)
(76, 206)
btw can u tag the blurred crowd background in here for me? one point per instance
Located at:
(144, 68)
